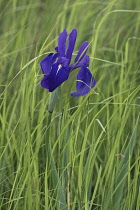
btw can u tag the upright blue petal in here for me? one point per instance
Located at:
(82, 52)
(62, 43)
(72, 40)
(46, 64)
(85, 81)
(56, 77)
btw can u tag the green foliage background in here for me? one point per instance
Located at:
(67, 161)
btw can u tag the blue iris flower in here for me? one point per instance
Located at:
(56, 66)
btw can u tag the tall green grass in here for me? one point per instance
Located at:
(66, 160)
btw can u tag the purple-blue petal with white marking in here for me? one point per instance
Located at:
(57, 76)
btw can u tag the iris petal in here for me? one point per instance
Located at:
(72, 40)
(63, 61)
(84, 62)
(54, 58)
(45, 82)
(62, 43)
(85, 81)
(46, 64)
(82, 52)
(56, 77)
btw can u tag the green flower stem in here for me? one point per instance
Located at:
(53, 99)
(50, 162)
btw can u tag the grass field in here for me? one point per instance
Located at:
(67, 160)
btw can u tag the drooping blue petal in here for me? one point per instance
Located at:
(82, 52)
(72, 40)
(46, 64)
(85, 81)
(45, 82)
(56, 77)
(62, 43)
